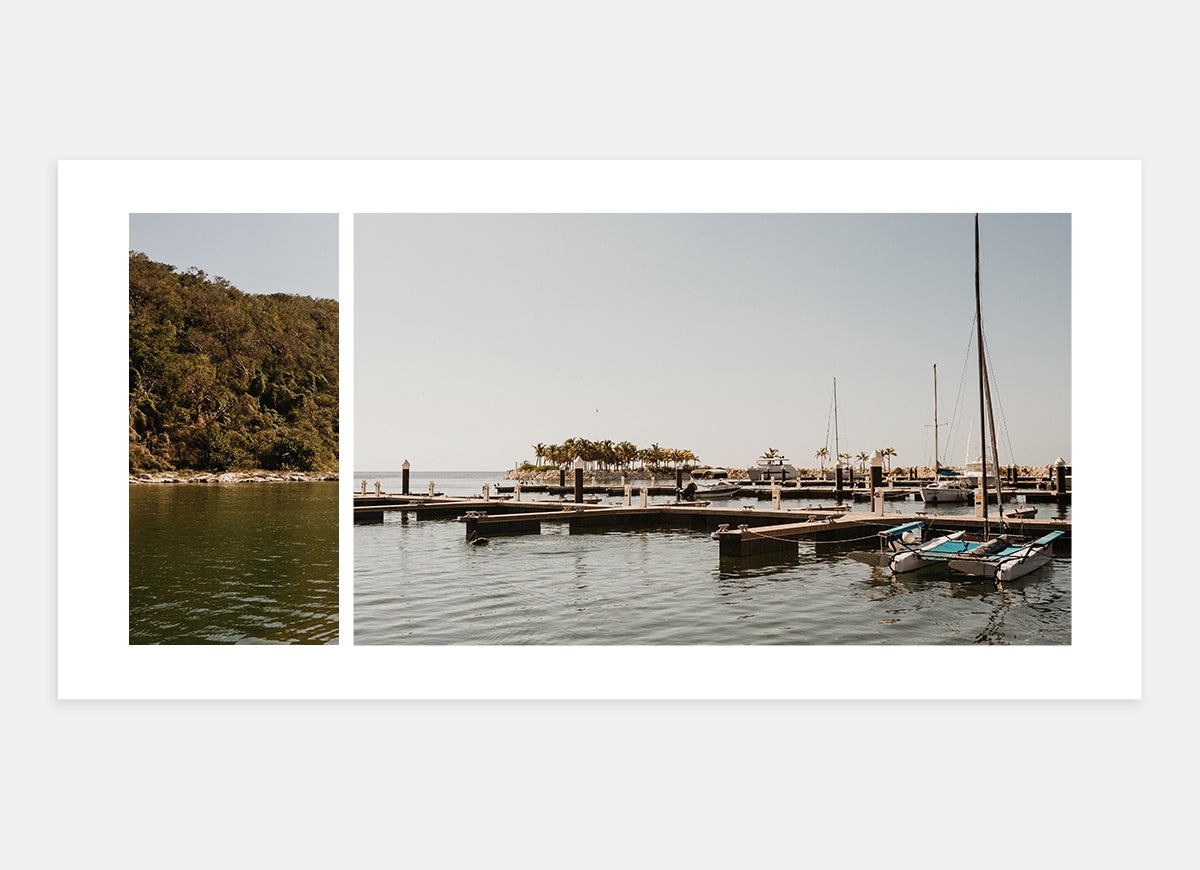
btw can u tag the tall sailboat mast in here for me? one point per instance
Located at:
(982, 388)
(937, 464)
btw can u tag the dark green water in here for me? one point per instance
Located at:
(233, 563)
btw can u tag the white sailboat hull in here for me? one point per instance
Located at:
(934, 493)
(1010, 565)
(921, 556)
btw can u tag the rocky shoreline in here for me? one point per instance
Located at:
(235, 477)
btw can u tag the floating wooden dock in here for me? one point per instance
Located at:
(740, 531)
(1028, 490)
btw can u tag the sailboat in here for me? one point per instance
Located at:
(997, 558)
(948, 485)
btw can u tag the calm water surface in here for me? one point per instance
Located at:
(418, 582)
(233, 563)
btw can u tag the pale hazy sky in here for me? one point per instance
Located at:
(477, 336)
(257, 253)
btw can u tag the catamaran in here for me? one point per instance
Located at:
(904, 548)
(997, 558)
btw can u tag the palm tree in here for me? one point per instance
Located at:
(770, 453)
(539, 450)
(863, 458)
(889, 452)
(822, 455)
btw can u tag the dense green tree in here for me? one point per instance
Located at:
(608, 454)
(220, 379)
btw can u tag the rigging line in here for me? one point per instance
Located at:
(954, 432)
(828, 425)
(1000, 403)
(996, 392)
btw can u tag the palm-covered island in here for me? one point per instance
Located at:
(225, 381)
(607, 455)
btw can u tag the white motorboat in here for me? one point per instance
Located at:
(772, 468)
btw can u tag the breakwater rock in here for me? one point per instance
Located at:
(234, 477)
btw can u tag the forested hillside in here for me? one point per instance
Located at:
(220, 379)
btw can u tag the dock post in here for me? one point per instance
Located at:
(645, 496)
(364, 487)
(487, 492)
(876, 474)
(678, 478)
(775, 496)
(517, 491)
(877, 500)
(837, 478)
(404, 478)
(431, 487)
(1060, 478)
(628, 495)
(579, 480)
(377, 489)
(562, 476)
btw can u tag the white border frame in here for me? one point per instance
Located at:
(96, 661)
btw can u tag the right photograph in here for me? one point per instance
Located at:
(712, 429)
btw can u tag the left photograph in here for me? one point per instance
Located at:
(233, 428)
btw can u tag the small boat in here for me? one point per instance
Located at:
(691, 492)
(1021, 513)
(729, 490)
(905, 548)
(1008, 562)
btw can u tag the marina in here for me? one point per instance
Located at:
(612, 573)
(616, 531)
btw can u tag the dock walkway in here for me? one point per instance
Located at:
(740, 531)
